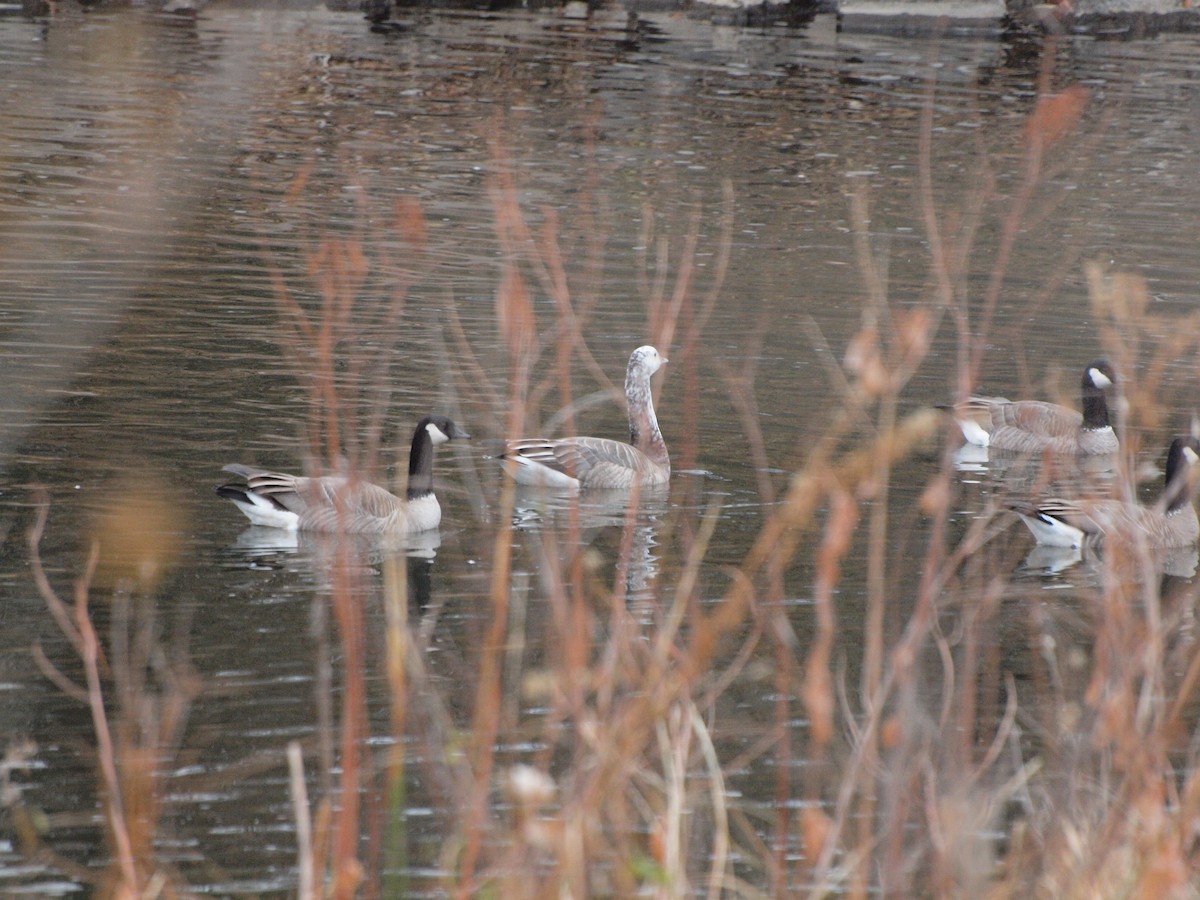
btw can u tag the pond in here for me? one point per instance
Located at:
(269, 235)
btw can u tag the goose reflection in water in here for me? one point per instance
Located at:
(597, 514)
(1087, 566)
(258, 540)
(313, 555)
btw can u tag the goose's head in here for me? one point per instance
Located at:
(442, 429)
(1190, 451)
(1179, 482)
(645, 359)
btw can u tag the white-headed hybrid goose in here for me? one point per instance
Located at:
(337, 503)
(1171, 522)
(590, 462)
(1030, 426)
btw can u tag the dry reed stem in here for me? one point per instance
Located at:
(346, 868)
(338, 269)
(345, 426)
(1128, 683)
(130, 884)
(795, 514)
(882, 375)
(397, 646)
(305, 863)
(1129, 670)
(623, 726)
(130, 751)
(515, 316)
(624, 700)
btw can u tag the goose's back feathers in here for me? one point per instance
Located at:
(584, 461)
(1033, 416)
(328, 503)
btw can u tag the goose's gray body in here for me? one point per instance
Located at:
(338, 503)
(591, 462)
(1032, 426)
(1171, 522)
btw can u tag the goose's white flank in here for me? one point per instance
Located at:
(572, 463)
(337, 503)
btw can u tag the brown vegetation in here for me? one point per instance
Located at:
(942, 772)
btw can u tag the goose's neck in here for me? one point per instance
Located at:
(1178, 489)
(1095, 408)
(420, 464)
(643, 423)
(1178, 494)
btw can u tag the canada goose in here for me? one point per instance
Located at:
(338, 503)
(591, 462)
(1028, 426)
(1171, 522)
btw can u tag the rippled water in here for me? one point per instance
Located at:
(161, 176)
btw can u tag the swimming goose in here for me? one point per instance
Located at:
(591, 462)
(1171, 522)
(1028, 426)
(336, 503)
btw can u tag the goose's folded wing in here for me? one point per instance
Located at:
(1096, 518)
(289, 491)
(365, 500)
(539, 451)
(334, 494)
(584, 458)
(595, 458)
(1038, 417)
(334, 503)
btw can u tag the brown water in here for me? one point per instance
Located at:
(155, 172)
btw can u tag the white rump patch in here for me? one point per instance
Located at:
(1053, 532)
(974, 432)
(265, 513)
(534, 474)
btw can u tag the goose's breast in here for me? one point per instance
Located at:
(422, 514)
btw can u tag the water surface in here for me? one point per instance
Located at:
(161, 177)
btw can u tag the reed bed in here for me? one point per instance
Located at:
(987, 744)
